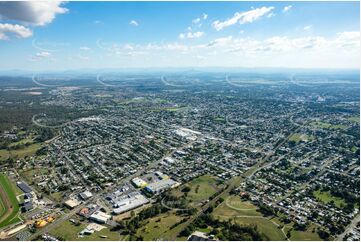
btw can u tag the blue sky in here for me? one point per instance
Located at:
(73, 35)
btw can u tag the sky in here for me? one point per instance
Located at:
(76, 35)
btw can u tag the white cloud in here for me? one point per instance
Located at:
(348, 39)
(15, 29)
(84, 48)
(191, 35)
(221, 42)
(243, 17)
(43, 54)
(287, 8)
(205, 16)
(33, 13)
(196, 21)
(308, 27)
(134, 23)
(341, 50)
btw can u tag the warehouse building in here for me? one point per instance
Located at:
(100, 217)
(127, 203)
(161, 186)
(138, 182)
(24, 187)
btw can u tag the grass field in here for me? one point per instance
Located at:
(236, 202)
(301, 137)
(355, 119)
(201, 188)
(325, 125)
(68, 231)
(234, 208)
(326, 197)
(29, 175)
(264, 226)
(19, 153)
(307, 235)
(159, 227)
(22, 142)
(8, 217)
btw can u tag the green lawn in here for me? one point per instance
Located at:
(13, 217)
(307, 235)
(234, 208)
(301, 137)
(326, 197)
(264, 226)
(325, 125)
(159, 227)
(29, 175)
(202, 188)
(19, 153)
(22, 142)
(68, 231)
(237, 203)
(230, 209)
(355, 119)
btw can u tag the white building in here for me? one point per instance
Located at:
(85, 195)
(161, 186)
(138, 182)
(129, 203)
(100, 217)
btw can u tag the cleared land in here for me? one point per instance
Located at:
(9, 204)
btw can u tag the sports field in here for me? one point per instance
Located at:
(9, 207)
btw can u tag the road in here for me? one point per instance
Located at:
(349, 228)
(234, 182)
(72, 212)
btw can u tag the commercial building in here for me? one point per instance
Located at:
(161, 186)
(85, 195)
(129, 202)
(100, 217)
(71, 203)
(24, 187)
(138, 182)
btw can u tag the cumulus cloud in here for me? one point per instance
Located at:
(14, 29)
(243, 17)
(191, 35)
(205, 16)
(134, 23)
(286, 8)
(308, 27)
(32, 13)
